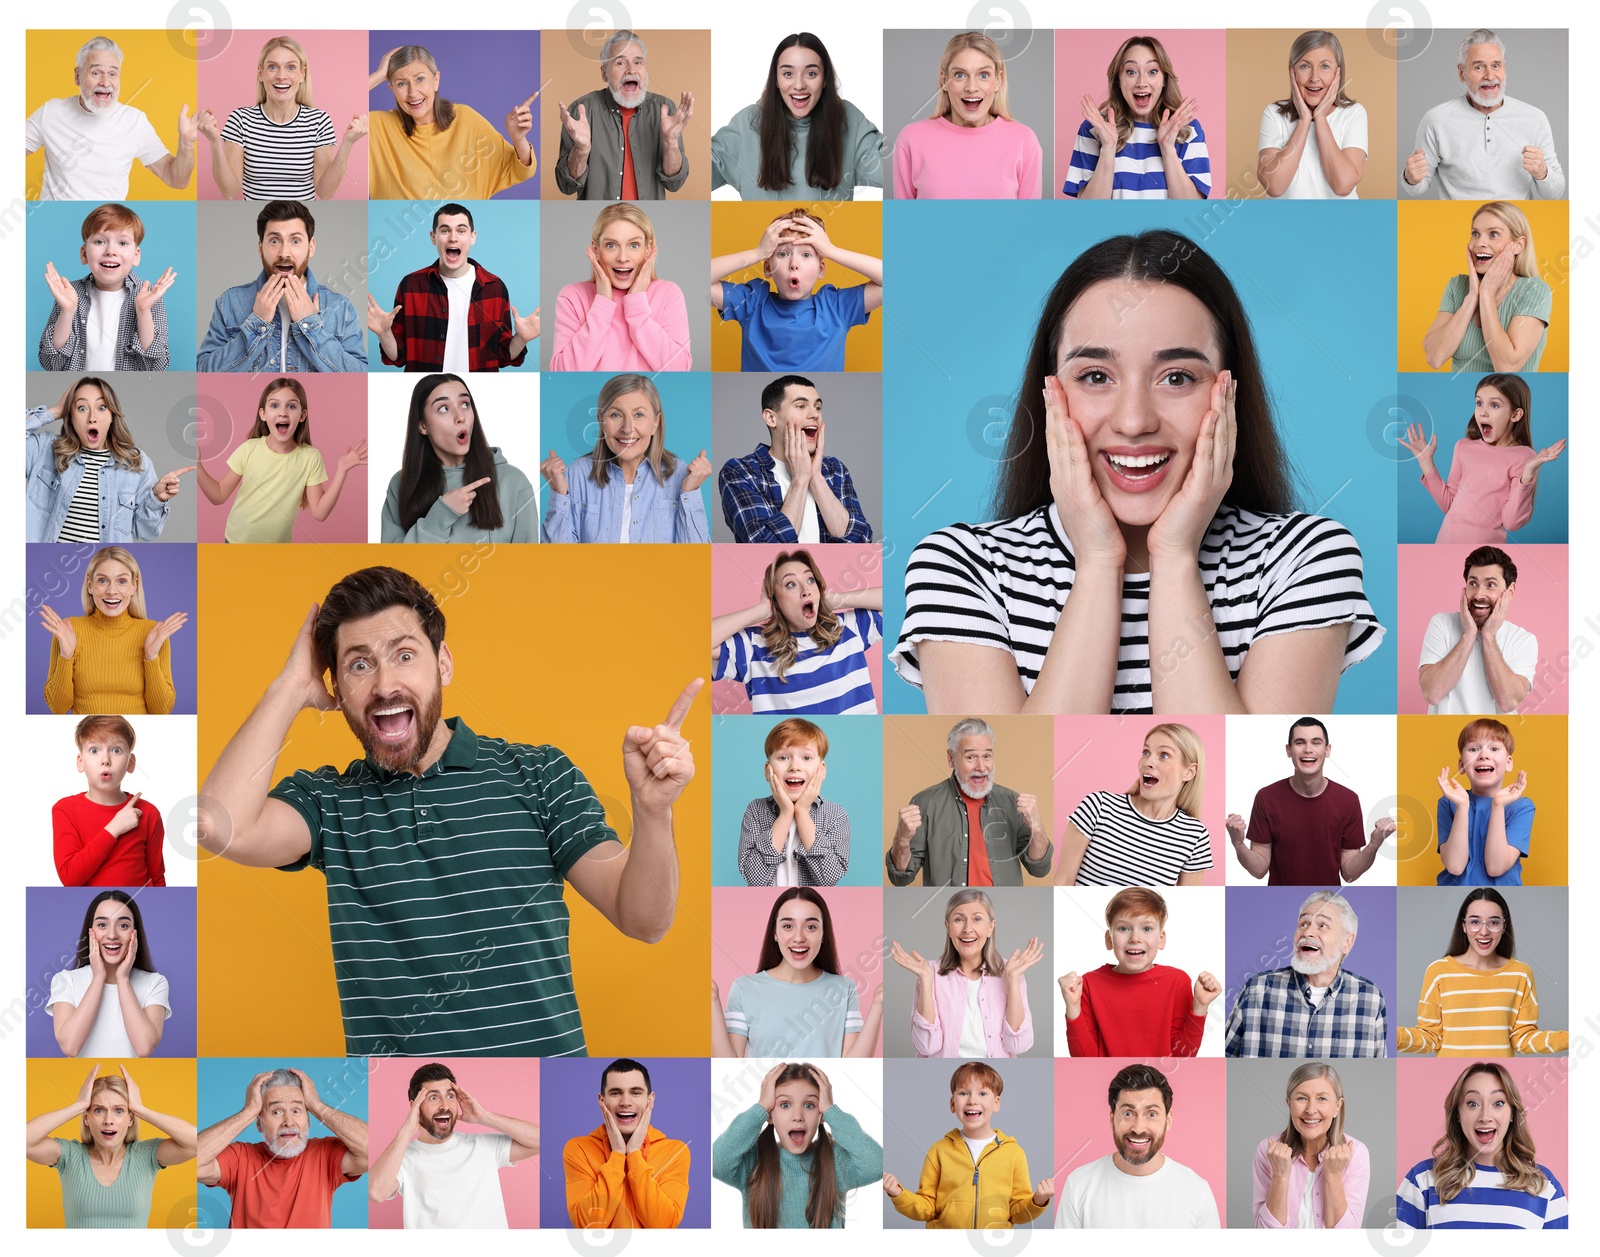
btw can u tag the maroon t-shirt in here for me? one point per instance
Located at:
(1307, 835)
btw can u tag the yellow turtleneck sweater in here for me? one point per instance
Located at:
(108, 673)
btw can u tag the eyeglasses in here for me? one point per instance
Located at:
(1494, 924)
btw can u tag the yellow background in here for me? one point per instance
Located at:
(1431, 240)
(157, 78)
(561, 644)
(167, 1086)
(1428, 743)
(854, 225)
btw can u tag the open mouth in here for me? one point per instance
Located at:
(416, 106)
(794, 284)
(1485, 1135)
(625, 444)
(111, 603)
(1308, 761)
(463, 437)
(794, 782)
(91, 437)
(1309, 950)
(622, 276)
(393, 724)
(808, 610)
(452, 255)
(111, 949)
(1137, 1145)
(283, 88)
(630, 85)
(1135, 954)
(1486, 430)
(810, 431)
(1149, 781)
(1480, 606)
(626, 1117)
(1485, 771)
(972, 1114)
(1137, 471)
(283, 427)
(1483, 257)
(799, 957)
(283, 268)
(972, 103)
(797, 1137)
(111, 264)
(1141, 100)
(967, 940)
(800, 101)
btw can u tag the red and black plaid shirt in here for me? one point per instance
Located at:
(424, 318)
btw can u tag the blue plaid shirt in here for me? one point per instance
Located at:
(752, 503)
(1274, 1016)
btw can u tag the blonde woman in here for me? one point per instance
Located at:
(1313, 1176)
(972, 148)
(622, 318)
(1495, 317)
(1313, 144)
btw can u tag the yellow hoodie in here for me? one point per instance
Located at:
(955, 1193)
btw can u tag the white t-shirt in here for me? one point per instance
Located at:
(1317, 993)
(1349, 126)
(108, 1037)
(810, 531)
(459, 291)
(977, 1146)
(105, 314)
(455, 1184)
(1472, 696)
(1306, 1219)
(972, 1045)
(788, 873)
(87, 156)
(1100, 1195)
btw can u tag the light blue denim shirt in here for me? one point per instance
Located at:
(129, 509)
(592, 512)
(238, 339)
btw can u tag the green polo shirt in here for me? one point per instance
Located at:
(444, 896)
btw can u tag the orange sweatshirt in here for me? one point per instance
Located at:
(647, 1188)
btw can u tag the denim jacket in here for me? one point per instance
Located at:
(129, 509)
(238, 340)
(591, 512)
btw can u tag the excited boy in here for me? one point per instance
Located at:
(105, 836)
(1486, 827)
(792, 836)
(109, 320)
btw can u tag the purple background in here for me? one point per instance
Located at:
(1260, 933)
(489, 70)
(55, 915)
(568, 1107)
(55, 575)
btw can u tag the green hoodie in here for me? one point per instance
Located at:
(518, 505)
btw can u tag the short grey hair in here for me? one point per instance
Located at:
(281, 1078)
(98, 44)
(1347, 914)
(1479, 36)
(971, 727)
(609, 48)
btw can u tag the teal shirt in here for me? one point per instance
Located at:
(736, 158)
(1528, 296)
(89, 1203)
(857, 1161)
(519, 508)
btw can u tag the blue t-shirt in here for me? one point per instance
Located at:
(803, 335)
(1519, 833)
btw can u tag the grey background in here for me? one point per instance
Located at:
(911, 81)
(159, 410)
(1536, 73)
(916, 1115)
(914, 918)
(1428, 914)
(852, 408)
(683, 255)
(229, 254)
(1256, 1110)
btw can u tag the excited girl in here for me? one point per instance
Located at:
(1494, 470)
(792, 1170)
(805, 657)
(797, 996)
(1496, 317)
(113, 1002)
(279, 470)
(975, 1004)
(1149, 835)
(91, 483)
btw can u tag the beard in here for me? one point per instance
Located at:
(1488, 102)
(621, 96)
(1312, 968)
(1141, 1158)
(286, 1151)
(399, 757)
(974, 792)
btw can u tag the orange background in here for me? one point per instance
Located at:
(560, 644)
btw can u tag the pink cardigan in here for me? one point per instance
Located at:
(1355, 1189)
(942, 1037)
(635, 333)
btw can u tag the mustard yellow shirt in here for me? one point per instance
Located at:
(469, 162)
(108, 674)
(271, 489)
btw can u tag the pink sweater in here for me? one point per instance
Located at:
(635, 333)
(1484, 498)
(939, 160)
(942, 1036)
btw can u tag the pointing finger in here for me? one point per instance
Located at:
(680, 708)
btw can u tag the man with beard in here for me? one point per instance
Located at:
(446, 1178)
(1475, 663)
(623, 143)
(967, 830)
(90, 140)
(625, 1173)
(1313, 1007)
(445, 852)
(1137, 1185)
(283, 320)
(287, 1179)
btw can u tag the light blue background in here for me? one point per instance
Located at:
(1442, 405)
(963, 287)
(855, 783)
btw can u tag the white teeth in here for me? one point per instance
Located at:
(1141, 460)
(390, 711)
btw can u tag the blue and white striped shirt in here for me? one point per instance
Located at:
(1486, 1204)
(825, 682)
(1138, 173)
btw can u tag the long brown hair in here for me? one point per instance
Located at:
(777, 637)
(302, 434)
(827, 957)
(1310, 42)
(118, 439)
(825, 146)
(1171, 97)
(143, 959)
(1518, 396)
(658, 458)
(1454, 1157)
(1506, 947)
(763, 1190)
(422, 474)
(444, 113)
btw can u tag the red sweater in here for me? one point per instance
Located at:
(1136, 1014)
(87, 854)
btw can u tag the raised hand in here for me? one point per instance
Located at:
(1028, 809)
(1469, 626)
(1507, 795)
(98, 968)
(672, 124)
(1279, 1155)
(1499, 275)
(812, 788)
(1071, 985)
(302, 672)
(613, 1131)
(769, 1088)
(267, 298)
(149, 293)
(1336, 1158)
(641, 1128)
(413, 1127)
(1533, 162)
(302, 305)
(526, 327)
(1530, 469)
(1497, 613)
(891, 1186)
(167, 487)
(380, 320)
(520, 120)
(1091, 527)
(1474, 280)
(699, 472)
(1024, 958)
(1103, 121)
(1421, 449)
(795, 454)
(1174, 121)
(1451, 788)
(358, 128)
(1301, 109)
(657, 761)
(1416, 167)
(66, 636)
(1236, 828)
(1206, 989)
(307, 1089)
(470, 1109)
(824, 1088)
(353, 456)
(1183, 522)
(775, 234)
(817, 454)
(575, 127)
(87, 1090)
(602, 278)
(126, 818)
(911, 962)
(254, 1094)
(804, 231)
(1330, 97)
(554, 471)
(1043, 1191)
(780, 794)
(66, 296)
(460, 500)
(135, 1097)
(130, 953)
(188, 128)
(645, 273)
(161, 630)
(1383, 829)
(206, 123)
(910, 821)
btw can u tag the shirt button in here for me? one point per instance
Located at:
(422, 811)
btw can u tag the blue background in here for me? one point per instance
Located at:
(1317, 281)
(855, 783)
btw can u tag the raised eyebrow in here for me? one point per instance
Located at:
(394, 643)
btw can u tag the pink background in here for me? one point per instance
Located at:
(502, 1085)
(1422, 1085)
(336, 408)
(739, 922)
(1102, 753)
(1199, 1118)
(338, 61)
(736, 573)
(1199, 58)
(1430, 582)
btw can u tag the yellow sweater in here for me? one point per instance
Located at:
(108, 673)
(1467, 1012)
(955, 1193)
(469, 162)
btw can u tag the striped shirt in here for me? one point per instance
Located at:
(1127, 848)
(1004, 585)
(1138, 173)
(88, 1203)
(1274, 1016)
(827, 682)
(1485, 1205)
(1467, 1012)
(82, 523)
(444, 896)
(278, 157)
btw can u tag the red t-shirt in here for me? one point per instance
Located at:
(1136, 1014)
(271, 1192)
(978, 871)
(630, 183)
(87, 854)
(1307, 835)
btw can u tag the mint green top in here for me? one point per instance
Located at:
(1528, 296)
(857, 1161)
(519, 508)
(736, 158)
(89, 1203)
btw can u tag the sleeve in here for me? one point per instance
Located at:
(1030, 169)
(58, 681)
(51, 358)
(1023, 1208)
(1355, 129)
(1187, 1030)
(1273, 127)
(1086, 816)
(869, 625)
(689, 523)
(397, 329)
(1455, 292)
(594, 1193)
(1519, 824)
(1200, 853)
(1555, 1211)
(1197, 160)
(918, 857)
(1357, 1178)
(669, 183)
(733, 657)
(1436, 643)
(747, 510)
(241, 348)
(561, 513)
(1410, 1202)
(149, 147)
(1523, 657)
(331, 335)
(927, 1037)
(299, 791)
(867, 160)
(79, 855)
(904, 189)
(757, 860)
(1017, 1041)
(574, 822)
(1024, 838)
(1067, 1215)
(239, 460)
(1083, 1033)
(1233, 1038)
(1444, 816)
(658, 1179)
(733, 1153)
(857, 1156)
(1085, 157)
(62, 992)
(158, 995)
(228, 1166)
(155, 840)
(1427, 1036)
(952, 595)
(829, 856)
(233, 130)
(853, 1021)
(33, 130)
(1428, 142)
(149, 512)
(658, 325)
(1444, 492)
(159, 694)
(1261, 1184)
(566, 183)
(1553, 187)
(1517, 509)
(845, 490)
(739, 301)
(1533, 299)
(847, 307)
(316, 469)
(921, 1205)
(519, 504)
(1377, 1043)
(159, 355)
(1525, 1033)
(724, 158)
(581, 331)
(736, 1016)
(1314, 579)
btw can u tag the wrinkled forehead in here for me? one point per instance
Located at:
(975, 744)
(283, 1094)
(394, 626)
(629, 52)
(1481, 56)
(102, 59)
